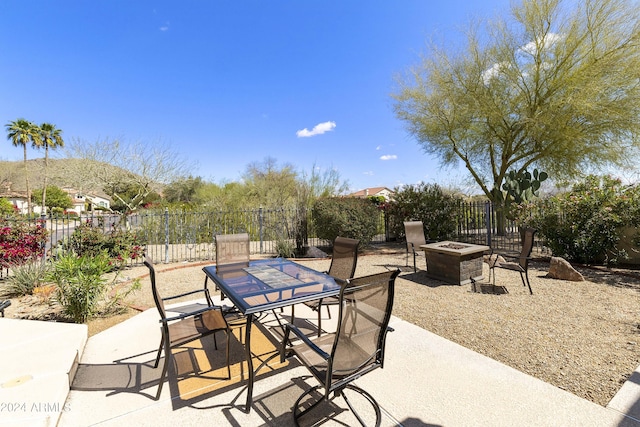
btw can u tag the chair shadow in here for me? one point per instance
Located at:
(197, 373)
(488, 288)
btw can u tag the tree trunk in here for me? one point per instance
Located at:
(26, 177)
(44, 187)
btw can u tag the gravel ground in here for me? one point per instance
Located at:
(583, 337)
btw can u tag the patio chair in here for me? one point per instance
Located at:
(414, 232)
(231, 250)
(343, 266)
(3, 305)
(355, 349)
(189, 324)
(520, 262)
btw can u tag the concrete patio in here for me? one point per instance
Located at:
(426, 381)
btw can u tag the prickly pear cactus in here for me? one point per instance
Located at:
(523, 186)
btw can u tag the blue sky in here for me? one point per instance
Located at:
(227, 83)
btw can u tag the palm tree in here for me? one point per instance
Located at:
(50, 137)
(21, 132)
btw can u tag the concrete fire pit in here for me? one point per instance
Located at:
(454, 262)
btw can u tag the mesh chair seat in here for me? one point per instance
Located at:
(355, 349)
(186, 323)
(344, 260)
(521, 263)
(192, 328)
(414, 234)
(231, 250)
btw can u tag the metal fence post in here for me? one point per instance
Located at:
(487, 216)
(260, 224)
(43, 218)
(166, 235)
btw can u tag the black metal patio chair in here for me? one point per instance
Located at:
(356, 348)
(414, 232)
(519, 263)
(188, 324)
(344, 260)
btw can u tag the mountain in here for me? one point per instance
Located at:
(61, 173)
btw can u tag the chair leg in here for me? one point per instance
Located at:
(320, 319)
(228, 332)
(165, 367)
(297, 413)
(523, 276)
(155, 365)
(369, 398)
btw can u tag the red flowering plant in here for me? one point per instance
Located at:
(21, 242)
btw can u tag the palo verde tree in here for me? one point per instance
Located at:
(555, 86)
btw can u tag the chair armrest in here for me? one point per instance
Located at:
(305, 339)
(190, 314)
(183, 295)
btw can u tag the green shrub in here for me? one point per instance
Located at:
(6, 207)
(583, 224)
(428, 203)
(120, 245)
(25, 278)
(285, 248)
(346, 217)
(80, 283)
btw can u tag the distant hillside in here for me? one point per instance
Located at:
(60, 173)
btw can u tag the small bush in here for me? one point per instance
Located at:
(120, 245)
(346, 217)
(428, 203)
(6, 207)
(583, 224)
(285, 248)
(80, 284)
(25, 278)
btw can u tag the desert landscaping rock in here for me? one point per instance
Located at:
(560, 268)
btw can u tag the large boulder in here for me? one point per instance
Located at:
(559, 268)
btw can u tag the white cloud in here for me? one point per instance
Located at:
(318, 129)
(368, 173)
(492, 72)
(388, 157)
(532, 47)
(379, 147)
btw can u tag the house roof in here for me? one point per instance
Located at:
(372, 191)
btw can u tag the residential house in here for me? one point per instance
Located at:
(83, 202)
(374, 191)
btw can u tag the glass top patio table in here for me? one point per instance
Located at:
(264, 285)
(270, 283)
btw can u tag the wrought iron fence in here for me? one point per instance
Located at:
(189, 236)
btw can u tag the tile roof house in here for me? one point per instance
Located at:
(82, 201)
(374, 191)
